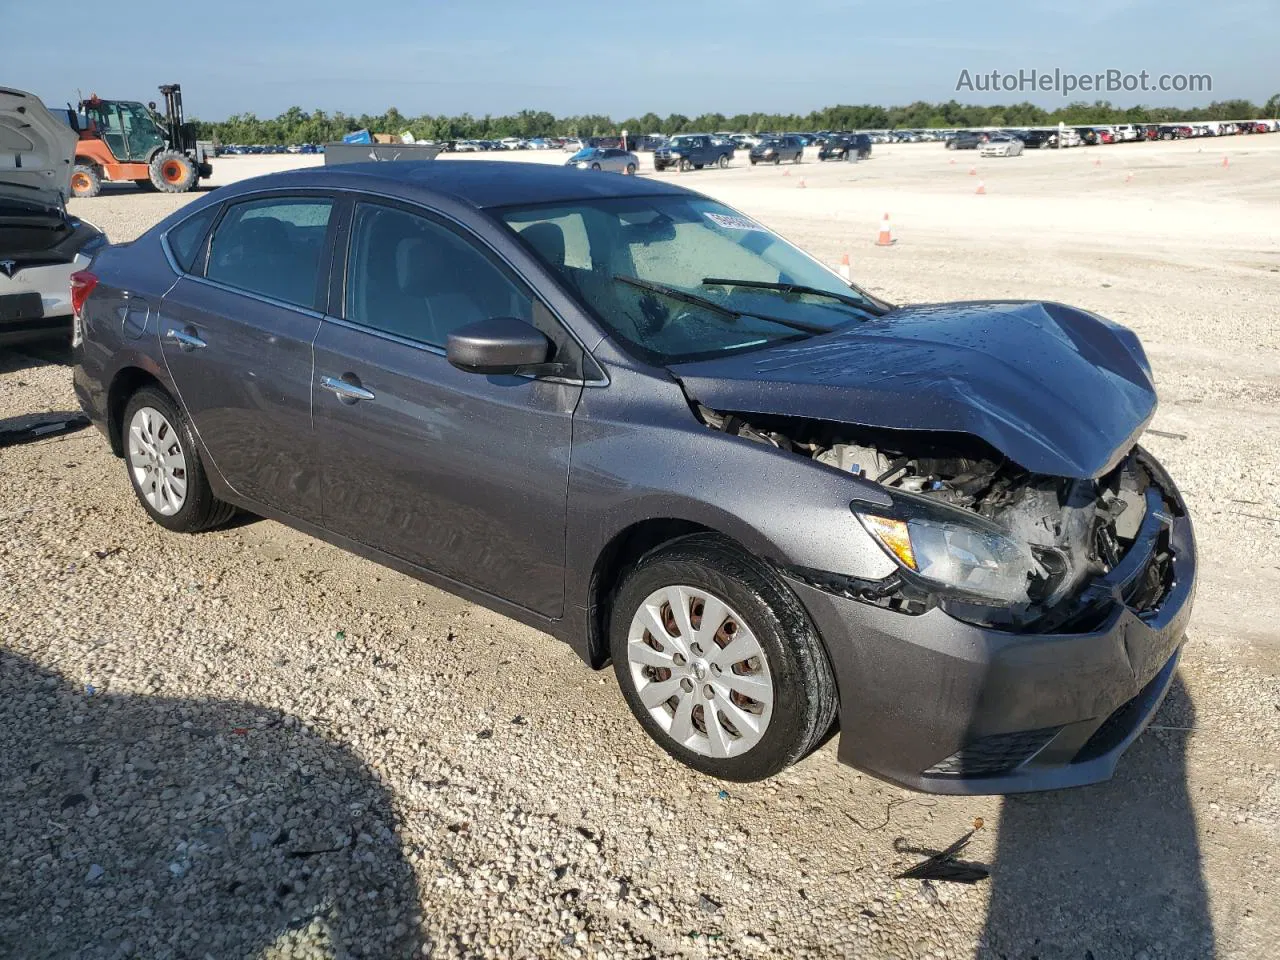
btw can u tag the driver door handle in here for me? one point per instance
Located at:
(185, 340)
(348, 392)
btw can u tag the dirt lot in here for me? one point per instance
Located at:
(250, 744)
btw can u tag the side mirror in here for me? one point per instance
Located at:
(497, 345)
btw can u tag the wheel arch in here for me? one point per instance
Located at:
(127, 381)
(619, 555)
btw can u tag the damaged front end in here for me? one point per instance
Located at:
(991, 543)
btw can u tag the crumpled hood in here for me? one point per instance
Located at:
(1057, 390)
(37, 150)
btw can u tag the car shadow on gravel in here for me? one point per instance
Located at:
(1110, 871)
(148, 826)
(55, 351)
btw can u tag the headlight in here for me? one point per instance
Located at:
(964, 555)
(674, 153)
(768, 151)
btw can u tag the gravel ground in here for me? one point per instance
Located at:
(248, 743)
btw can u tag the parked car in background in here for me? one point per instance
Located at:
(1001, 145)
(777, 149)
(856, 146)
(966, 140)
(41, 245)
(1088, 136)
(609, 159)
(692, 151)
(1174, 131)
(636, 419)
(1037, 139)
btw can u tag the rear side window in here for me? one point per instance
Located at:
(272, 247)
(187, 238)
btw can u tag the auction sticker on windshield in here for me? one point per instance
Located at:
(733, 223)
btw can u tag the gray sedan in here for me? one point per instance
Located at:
(609, 159)
(642, 422)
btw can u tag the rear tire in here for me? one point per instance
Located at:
(163, 463)
(723, 162)
(85, 181)
(785, 667)
(631, 169)
(173, 172)
(595, 166)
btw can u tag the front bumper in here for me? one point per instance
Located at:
(938, 705)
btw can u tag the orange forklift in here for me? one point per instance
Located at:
(126, 140)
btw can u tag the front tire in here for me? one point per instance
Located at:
(718, 660)
(173, 172)
(685, 166)
(631, 169)
(164, 465)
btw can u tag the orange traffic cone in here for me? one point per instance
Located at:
(844, 268)
(786, 173)
(1128, 177)
(801, 183)
(1097, 161)
(1226, 161)
(886, 234)
(982, 188)
(952, 161)
(973, 171)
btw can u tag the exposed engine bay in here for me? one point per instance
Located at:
(1076, 530)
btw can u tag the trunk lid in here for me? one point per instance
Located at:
(37, 154)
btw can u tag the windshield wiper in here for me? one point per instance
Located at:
(675, 293)
(788, 288)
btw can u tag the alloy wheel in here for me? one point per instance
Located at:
(157, 461)
(700, 671)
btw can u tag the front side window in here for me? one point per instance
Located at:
(415, 278)
(273, 248)
(598, 247)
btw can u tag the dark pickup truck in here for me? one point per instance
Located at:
(692, 152)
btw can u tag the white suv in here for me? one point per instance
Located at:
(41, 245)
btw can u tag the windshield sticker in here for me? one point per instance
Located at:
(733, 223)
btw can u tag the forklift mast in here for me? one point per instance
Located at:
(173, 118)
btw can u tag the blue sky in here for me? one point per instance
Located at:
(620, 57)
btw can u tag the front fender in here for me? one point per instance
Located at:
(639, 454)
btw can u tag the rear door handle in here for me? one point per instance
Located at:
(345, 391)
(185, 340)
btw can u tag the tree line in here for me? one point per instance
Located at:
(297, 126)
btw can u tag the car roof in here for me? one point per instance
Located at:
(477, 183)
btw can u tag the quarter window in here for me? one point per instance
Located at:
(273, 248)
(185, 239)
(414, 278)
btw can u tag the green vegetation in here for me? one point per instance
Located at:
(297, 126)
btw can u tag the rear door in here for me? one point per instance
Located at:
(237, 337)
(462, 473)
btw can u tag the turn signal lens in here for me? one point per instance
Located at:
(895, 536)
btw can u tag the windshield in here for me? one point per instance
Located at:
(678, 243)
(584, 153)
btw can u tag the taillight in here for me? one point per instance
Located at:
(82, 284)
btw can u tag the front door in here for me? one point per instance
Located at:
(461, 473)
(238, 340)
